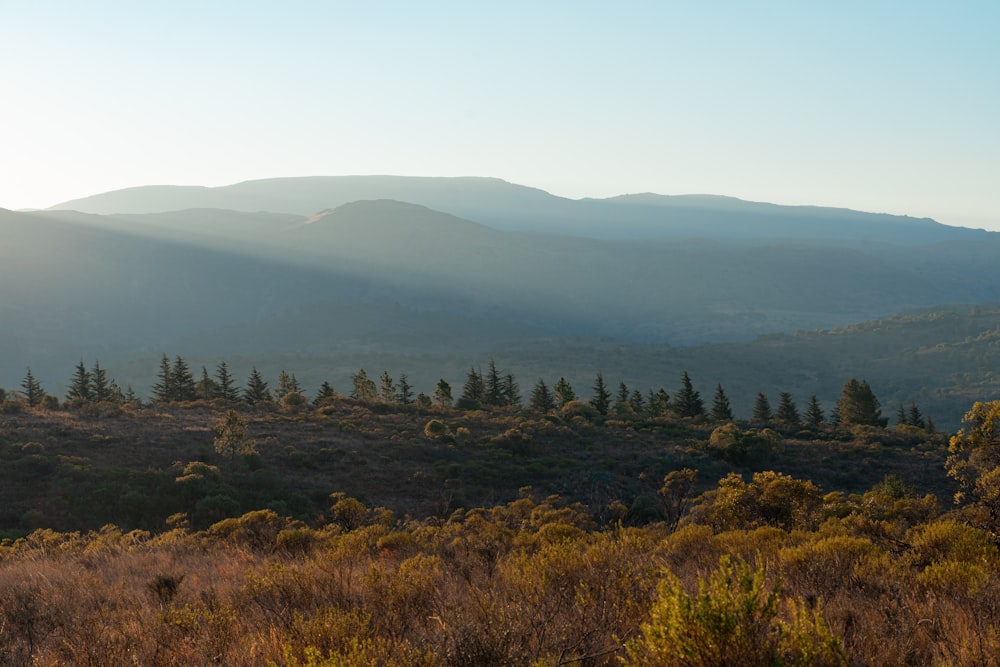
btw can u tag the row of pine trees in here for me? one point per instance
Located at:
(176, 383)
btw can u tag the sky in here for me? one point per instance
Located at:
(889, 106)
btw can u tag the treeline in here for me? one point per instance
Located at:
(492, 389)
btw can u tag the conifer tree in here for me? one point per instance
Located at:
(33, 392)
(163, 388)
(115, 393)
(256, 392)
(184, 385)
(405, 390)
(563, 392)
(722, 411)
(99, 383)
(602, 397)
(637, 402)
(511, 391)
(788, 412)
(494, 386)
(858, 405)
(287, 384)
(541, 398)
(814, 413)
(623, 394)
(226, 388)
(206, 389)
(474, 392)
(687, 402)
(915, 417)
(761, 409)
(364, 387)
(659, 403)
(901, 417)
(80, 386)
(442, 394)
(131, 397)
(325, 392)
(387, 388)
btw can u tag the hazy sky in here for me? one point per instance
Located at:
(880, 106)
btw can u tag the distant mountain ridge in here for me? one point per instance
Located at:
(510, 207)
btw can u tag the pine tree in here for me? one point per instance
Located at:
(511, 391)
(231, 436)
(206, 389)
(687, 402)
(99, 383)
(474, 392)
(659, 403)
(364, 387)
(494, 386)
(788, 412)
(326, 391)
(901, 417)
(541, 398)
(225, 384)
(814, 413)
(131, 397)
(858, 405)
(387, 388)
(915, 417)
(761, 409)
(33, 392)
(442, 394)
(623, 394)
(256, 392)
(115, 393)
(184, 386)
(163, 388)
(405, 390)
(721, 410)
(563, 392)
(80, 386)
(637, 401)
(602, 397)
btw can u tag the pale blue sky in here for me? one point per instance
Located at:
(880, 106)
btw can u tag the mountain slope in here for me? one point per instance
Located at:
(510, 207)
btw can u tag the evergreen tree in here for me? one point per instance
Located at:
(858, 405)
(721, 410)
(423, 400)
(474, 392)
(511, 391)
(206, 389)
(163, 388)
(761, 409)
(541, 398)
(231, 436)
(387, 388)
(915, 417)
(563, 392)
(325, 392)
(442, 394)
(623, 394)
(115, 393)
(788, 412)
(659, 403)
(687, 401)
(32, 388)
(99, 383)
(494, 386)
(225, 384)
(184, 385)
(602, 397)
(364, 387)
(901, 417)
(80, 386)
(814, 413)
(405, 391)
(256, 392)
(929, 424)
(637, 401)
(835, 415)
(131, 397)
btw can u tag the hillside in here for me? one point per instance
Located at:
(510, 207)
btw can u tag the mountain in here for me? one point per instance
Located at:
(309, 279)
(509, 207)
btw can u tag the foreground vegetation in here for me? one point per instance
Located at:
(362, 532)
